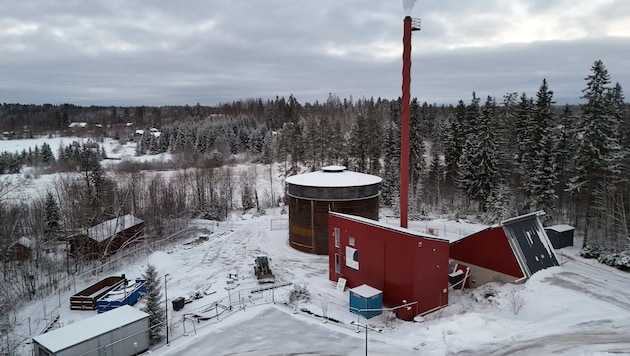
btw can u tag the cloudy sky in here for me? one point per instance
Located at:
(158, 52)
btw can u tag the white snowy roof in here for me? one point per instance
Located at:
(333, 177)
(560, 228)
(388, 226)
(366, 291)
(122, 291)
(109, 228)
(86, 329)
(25, 241)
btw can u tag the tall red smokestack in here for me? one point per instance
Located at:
(409, 26)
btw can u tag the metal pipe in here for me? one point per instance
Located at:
(404, 123)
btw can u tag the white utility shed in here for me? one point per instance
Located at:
(122, 331)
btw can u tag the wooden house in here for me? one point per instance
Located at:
(21, 249)
(106, 237)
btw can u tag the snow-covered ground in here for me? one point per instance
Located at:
(580, 308)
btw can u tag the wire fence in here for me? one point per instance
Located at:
(278, 224)
(436, 228)
(44, 315)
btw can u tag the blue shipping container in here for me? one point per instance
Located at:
(366, 301)
(123, 294)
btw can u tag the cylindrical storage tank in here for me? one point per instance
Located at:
(312, 195)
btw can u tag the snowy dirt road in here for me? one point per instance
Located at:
(594, 318)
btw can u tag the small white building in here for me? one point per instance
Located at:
(122, 331)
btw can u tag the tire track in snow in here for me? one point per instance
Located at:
(596, 288)
(570, 343)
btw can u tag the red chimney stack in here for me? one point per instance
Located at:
(409, 26)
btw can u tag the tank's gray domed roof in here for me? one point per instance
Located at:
(333, 177)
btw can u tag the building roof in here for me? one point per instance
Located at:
(366, 291)
(333, 177)
(109, 228)
(388, 226)
(560, 228)
(24, 241)
(86, 329)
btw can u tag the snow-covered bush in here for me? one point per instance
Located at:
(300, 292)
(613, 258)
(516, 301)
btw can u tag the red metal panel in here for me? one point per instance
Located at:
(431, 270)
(404, 266)
(488, 249)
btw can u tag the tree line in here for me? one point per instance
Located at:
(487, 157)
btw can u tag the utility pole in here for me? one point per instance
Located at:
(166, 306)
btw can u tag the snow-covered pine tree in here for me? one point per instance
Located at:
(324, 141)
(478, 163)
(153, 304)
(522, 144)
(47, 155)
(539, 176)
(612, 199)
(337, 148)
(312, 144)
(291, 146)
(358, 145)
(52, 216)
(390, 188)
(452, 141)
(374, 137)
(417, 163)
(248, 200)
(500, 205)
(597, 147)
(564, 134)
(435, 178)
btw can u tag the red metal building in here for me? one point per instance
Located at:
(406, 265)
(510, 252)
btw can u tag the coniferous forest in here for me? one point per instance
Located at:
(486, 157)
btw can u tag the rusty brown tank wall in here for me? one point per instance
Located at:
(308, 220)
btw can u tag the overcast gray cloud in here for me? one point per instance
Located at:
(125, 52)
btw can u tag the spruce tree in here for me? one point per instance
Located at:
(325, 141)
(564, 135)
(153, 304)
(597, 147)
(538, 161)
(358, 145)
(247, 196)
(452, 142)
(47, 155)
(390, 188)
(500, 205)
(478, 163)
(373, 130)
(52, 215)
(417, 151)
(435, 178)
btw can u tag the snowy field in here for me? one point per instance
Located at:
(40, 182)
(580, 308)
